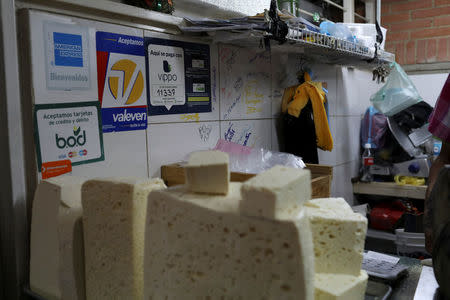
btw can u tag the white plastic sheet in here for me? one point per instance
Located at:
(245, 159)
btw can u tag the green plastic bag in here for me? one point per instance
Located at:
(397, 94)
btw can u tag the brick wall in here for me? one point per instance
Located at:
(418, 30)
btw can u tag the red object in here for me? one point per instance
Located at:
(55, 168)
(102, 65)
(368, 161)
(439, 125)
(385, 216)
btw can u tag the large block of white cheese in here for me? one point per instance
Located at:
(207, 172)
(199, 247)
(338, 235)
(114, 220)
(56, 242)
(276, 193)
(340, 286)
(337, 204)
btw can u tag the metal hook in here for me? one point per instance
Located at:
(301, 64)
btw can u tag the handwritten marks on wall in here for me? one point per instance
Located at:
(252, 133)
(204, 132)
(245, 96)
(245, 83)
(190, 117)
(172, 142)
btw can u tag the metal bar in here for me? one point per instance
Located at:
(379, 11)
(314, 39)
(309, 13)
(334, 4)
(349, 16)
(361, 17)
(370, 11)
(305, 12)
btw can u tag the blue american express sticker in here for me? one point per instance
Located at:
(68, 49)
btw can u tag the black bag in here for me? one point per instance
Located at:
(414, 116)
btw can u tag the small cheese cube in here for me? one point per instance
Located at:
(338, 235)
(199, 247)
(276, 193)
(207, 172)
(114, 212)
(340, 286)
(56, 242)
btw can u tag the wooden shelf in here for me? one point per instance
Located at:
(390, 189)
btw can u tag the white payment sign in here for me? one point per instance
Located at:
(167, 85)
(67, 56)
(69, 131)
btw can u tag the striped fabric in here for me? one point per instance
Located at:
(440, 118)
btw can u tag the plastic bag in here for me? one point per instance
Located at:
(259, 160)
(373, 128)
(256, 160)
(245, 159)
(338, 30)
(397, 94)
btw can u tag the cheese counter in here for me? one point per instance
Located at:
(134, 238)
(403, 289)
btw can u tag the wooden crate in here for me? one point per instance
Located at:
(321, 177)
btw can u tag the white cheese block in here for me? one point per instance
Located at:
(199, 247)
(207, 172)
(114, 220)
(338, 204)
(276, 193)
(340, 286)
(338, 235)
(56, 242)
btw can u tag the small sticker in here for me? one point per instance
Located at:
(198, 63)
(198, 87)
(368, 161)
(68, 49)
(437, 148)
(55, 168)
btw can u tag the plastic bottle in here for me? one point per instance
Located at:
(436, 148)
(367, 161)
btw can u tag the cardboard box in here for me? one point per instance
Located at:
(321, 177)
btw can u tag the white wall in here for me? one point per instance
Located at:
(429, 85)
(219, 9)
(354, 88)
(241, 104)
(247, 86)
